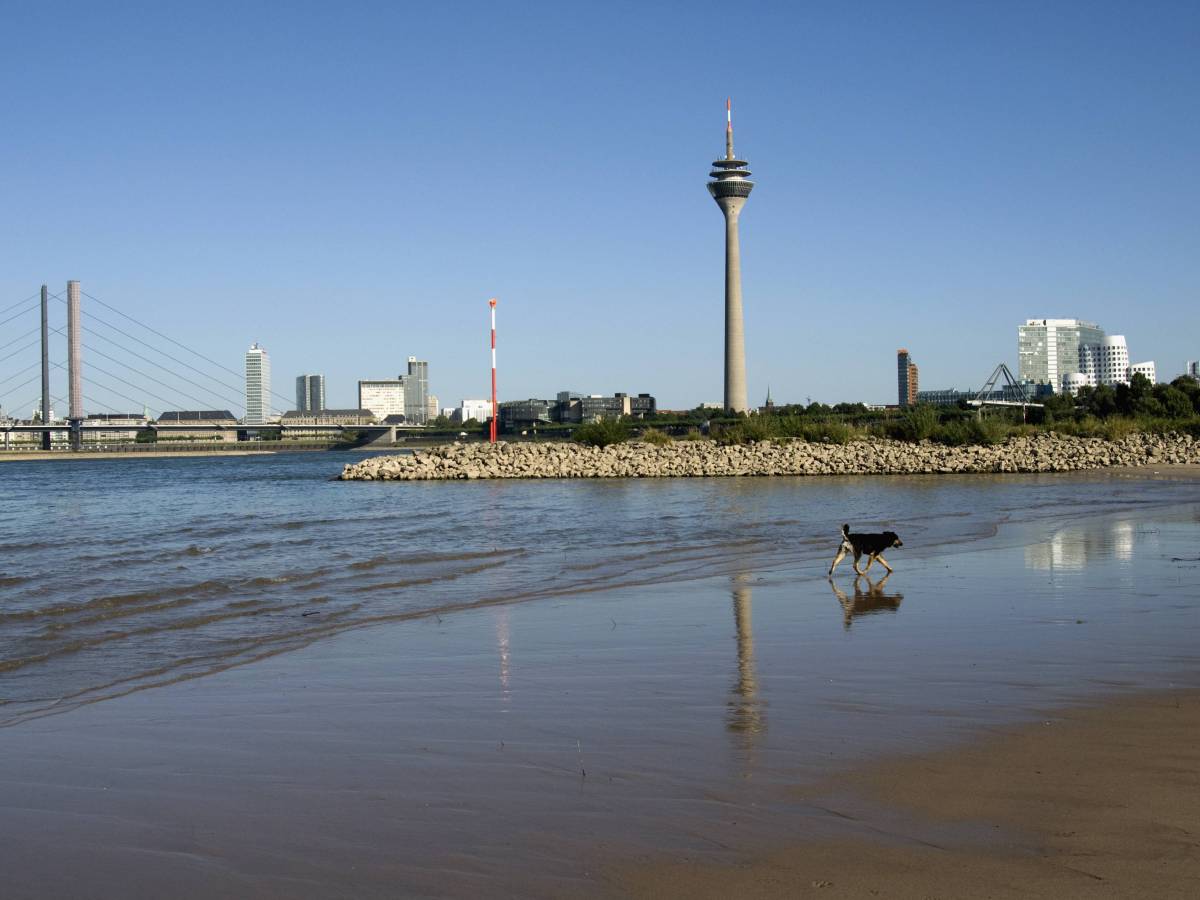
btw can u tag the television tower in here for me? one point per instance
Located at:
(730, 187)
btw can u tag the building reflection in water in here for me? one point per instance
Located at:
(502, 648)
(745, 717)
(865, 602)
(1075, 546)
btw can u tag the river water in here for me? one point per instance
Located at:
(117, 575)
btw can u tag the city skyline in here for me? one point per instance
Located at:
(918, 187)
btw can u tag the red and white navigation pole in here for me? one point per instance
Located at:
(495, 409)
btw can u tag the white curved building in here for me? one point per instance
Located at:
(1106, 362)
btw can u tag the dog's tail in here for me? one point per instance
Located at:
(846, 531)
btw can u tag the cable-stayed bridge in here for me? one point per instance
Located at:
(88, 354)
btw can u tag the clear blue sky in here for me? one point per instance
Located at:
(348, 183)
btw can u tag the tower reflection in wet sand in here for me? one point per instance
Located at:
(502, 649)
(745, 717)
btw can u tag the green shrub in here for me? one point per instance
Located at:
(656, 437)
(1117, 428)
(602, 433)
(829, 433)
(692, 434)
(918, 423)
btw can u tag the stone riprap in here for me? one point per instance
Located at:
(683, 459)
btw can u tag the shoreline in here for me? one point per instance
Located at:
(1099, 800)
(692, 459)
(45, 456)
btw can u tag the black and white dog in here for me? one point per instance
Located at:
(872, 545)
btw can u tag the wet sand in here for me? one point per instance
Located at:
(760, 733)
(1097, 802)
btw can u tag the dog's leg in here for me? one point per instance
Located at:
(857, 557)
(870, 559)
(883, 562)
(841, 554)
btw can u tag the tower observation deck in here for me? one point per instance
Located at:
(730, 186)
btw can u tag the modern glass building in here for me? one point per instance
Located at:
(1048, 350)
(310, 393)
(416, 392)
(258, 386)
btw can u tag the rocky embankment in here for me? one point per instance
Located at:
(1039, 453)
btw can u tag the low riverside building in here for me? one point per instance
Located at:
(479, 410)
(521, 413)
(952, 396)
(570, 407)
(209, 425)
(299, 423)
(945, 397)
(297, 417)
(124, 435)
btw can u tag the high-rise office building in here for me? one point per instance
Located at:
(730, 186)
(258, 385)
(1191, 368)
(1048, 350)
(310, 393)
(1068, 354)
(416, 392)
(383, 397)
(906, 379)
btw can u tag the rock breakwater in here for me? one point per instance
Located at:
(684, 459)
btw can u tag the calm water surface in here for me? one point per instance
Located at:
(121, 574)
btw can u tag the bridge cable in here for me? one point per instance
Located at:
(18, 315)
(149, 346)
(213, 393)
(21, 338)
(106, 387)
(36, 296)
(23, 383)
(238, 375)
(32, 343)
(152, 378)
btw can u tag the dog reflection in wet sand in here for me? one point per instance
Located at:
(870, 545)
(864, 603)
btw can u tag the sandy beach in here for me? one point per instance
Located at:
(1008, 715)
(1095, 802)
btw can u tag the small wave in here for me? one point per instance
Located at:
(202, 590)
(416, 559)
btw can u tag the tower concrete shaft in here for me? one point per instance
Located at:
(74, 353)
(46, 367)
(730, 187)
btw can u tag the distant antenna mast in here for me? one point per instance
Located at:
(729, 128)
(495, 409)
